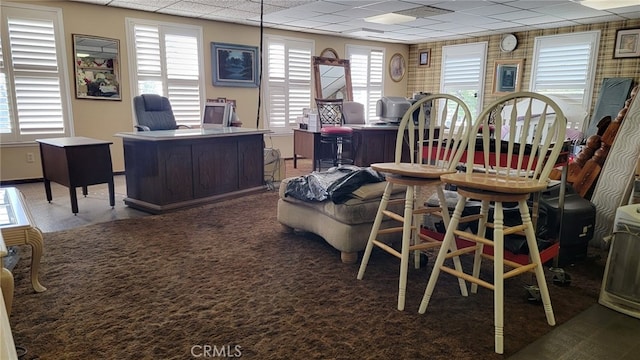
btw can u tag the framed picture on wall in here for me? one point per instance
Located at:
(424, 57)
(234, 65)
(627, 44)
(397, 67)
(507, 75)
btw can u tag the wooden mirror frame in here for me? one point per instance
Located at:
(344, 63)
(97, 67)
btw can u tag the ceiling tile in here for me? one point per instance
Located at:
(471, 18)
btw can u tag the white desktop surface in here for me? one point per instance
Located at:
(159, 135)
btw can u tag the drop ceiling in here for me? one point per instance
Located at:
(435, 20)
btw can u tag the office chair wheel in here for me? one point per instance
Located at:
(560, 277)
(533, 294)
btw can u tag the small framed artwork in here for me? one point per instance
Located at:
(234, 65)
(424, 57)
(397, 67)
(627, 44)
(507, 76)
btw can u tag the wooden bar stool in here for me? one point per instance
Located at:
(333, 131)
(442, 128)
(529, 135)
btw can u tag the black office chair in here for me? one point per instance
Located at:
(153, 112)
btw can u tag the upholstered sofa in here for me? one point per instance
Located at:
(344, 226)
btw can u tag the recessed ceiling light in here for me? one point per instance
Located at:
(606, 4)
(363, 31)
(389, 19)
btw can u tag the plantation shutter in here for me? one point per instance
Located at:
(168, 62)
(367, 72)
(32, 70)
(564, 65)
(463, 73)
(288, 87)
(5, 121)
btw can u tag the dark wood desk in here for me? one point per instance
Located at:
(171, 169)
(370, 144)
(76, 162)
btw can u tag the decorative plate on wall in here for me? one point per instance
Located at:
(397, 67)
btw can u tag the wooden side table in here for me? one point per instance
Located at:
(76, 162)
(18, 228)
(6, 279)
(7, 345)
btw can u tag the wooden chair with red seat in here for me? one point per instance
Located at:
(442, 136)
(509, 171)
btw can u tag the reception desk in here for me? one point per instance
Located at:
(171, 169)
(370, 144)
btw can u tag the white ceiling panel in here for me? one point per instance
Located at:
(469, 19)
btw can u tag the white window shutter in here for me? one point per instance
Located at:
(463, 73)
(183, 85)
(288, 86)
(33, 89)
(367, 74)
(5, 114)
(168, 62)
(564, 66)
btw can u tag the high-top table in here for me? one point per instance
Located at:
(76, 162)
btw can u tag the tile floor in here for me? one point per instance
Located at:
(597, 333)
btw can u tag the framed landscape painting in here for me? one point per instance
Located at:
(234, 65)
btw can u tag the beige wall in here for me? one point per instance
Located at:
(101, 119)
(427, 79)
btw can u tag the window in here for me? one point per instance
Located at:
(288, 87)
(463, 73)
(367, 73)
(564, 67)
(168, 61)
(34, 100)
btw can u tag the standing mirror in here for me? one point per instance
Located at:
(332, 78)
(97, 65)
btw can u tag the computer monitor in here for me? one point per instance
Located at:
(392, 108)
(217, 114)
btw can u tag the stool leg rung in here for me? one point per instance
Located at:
(467, 277)
(387, 248)
(520, 270)
(471, 237)
(461, 252)
(425, 246)
(389, 230)
(393, 215)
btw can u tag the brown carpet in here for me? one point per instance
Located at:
(226, 275)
